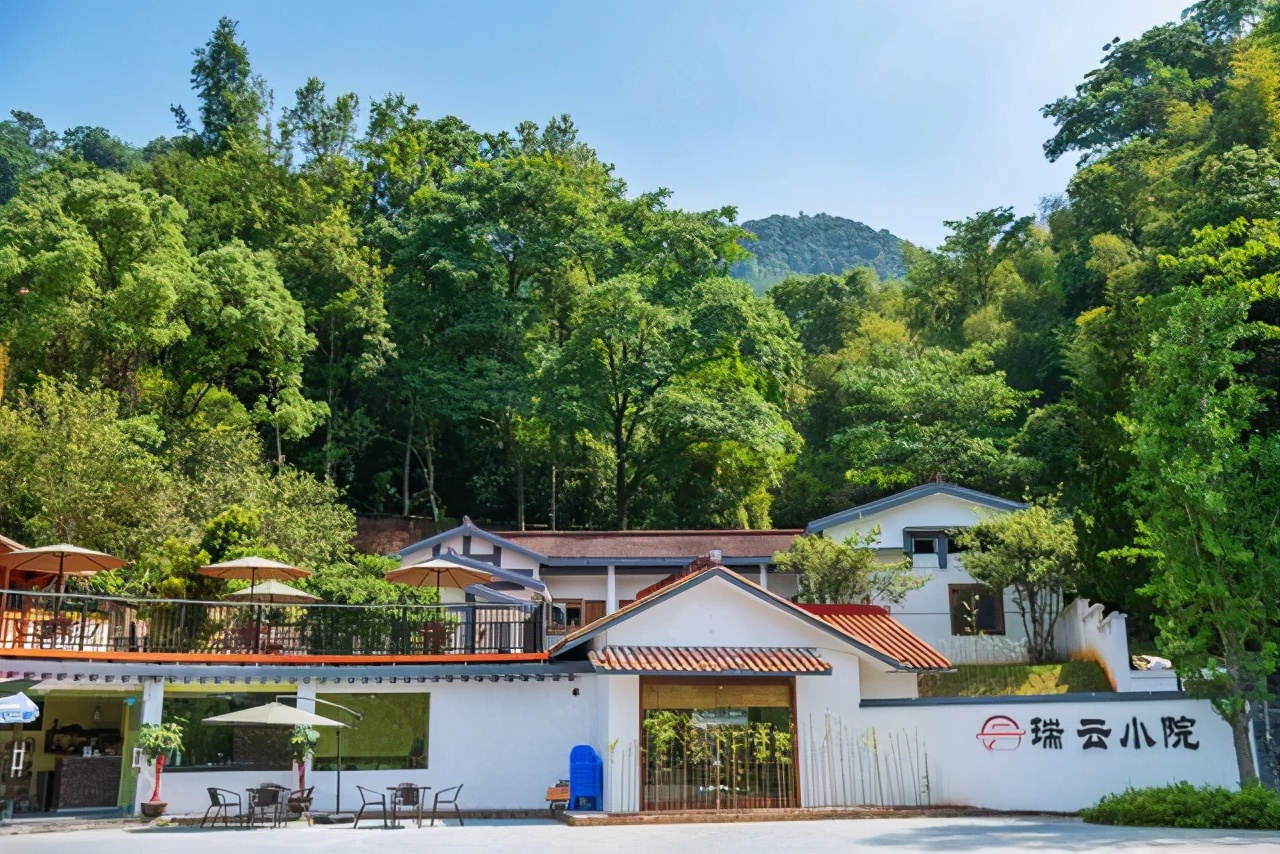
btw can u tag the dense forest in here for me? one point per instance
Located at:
(247, 331)
(784, 246)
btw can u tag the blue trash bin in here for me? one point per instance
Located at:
(586, 779)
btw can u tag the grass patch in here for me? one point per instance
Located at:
(1254, 807)
(1015, 680)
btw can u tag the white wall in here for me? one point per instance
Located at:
(930, 511)
(961, 771)
(565, 587)
(927, 611)
(505, 741)
(1083, 632)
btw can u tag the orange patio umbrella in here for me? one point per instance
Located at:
(60, 560)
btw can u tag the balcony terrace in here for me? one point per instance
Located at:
(50, 624)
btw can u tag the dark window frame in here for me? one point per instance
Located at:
(961, 626)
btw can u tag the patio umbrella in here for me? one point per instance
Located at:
(438, 572)
(272, 714)
(251, 569)
(278, 714)
(272, 592)
(18, 709)
(60, 560)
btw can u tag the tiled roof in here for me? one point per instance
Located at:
(873, 626)
(894, 636)
(775, 661)
(654, 544)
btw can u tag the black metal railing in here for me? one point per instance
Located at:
(107, 624)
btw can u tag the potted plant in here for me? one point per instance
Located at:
(157, 742)
(302, 745)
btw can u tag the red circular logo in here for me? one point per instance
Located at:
(1000, 732)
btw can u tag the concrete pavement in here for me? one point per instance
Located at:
(901, 836)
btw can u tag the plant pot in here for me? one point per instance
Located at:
(153, 809)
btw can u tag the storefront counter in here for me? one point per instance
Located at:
(87, 781)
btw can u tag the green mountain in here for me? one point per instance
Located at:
(815, 244)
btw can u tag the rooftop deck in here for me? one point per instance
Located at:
(48, 623)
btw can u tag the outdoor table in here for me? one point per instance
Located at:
(276, 804)
(395, 790)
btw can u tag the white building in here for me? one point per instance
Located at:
(697, 680)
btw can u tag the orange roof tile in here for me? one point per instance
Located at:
(872, 626)
(776, 661)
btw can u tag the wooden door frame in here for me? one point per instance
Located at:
(790, 681)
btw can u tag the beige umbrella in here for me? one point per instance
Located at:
(438, 572)
(60, 560)
(251, 569)
(273, 592)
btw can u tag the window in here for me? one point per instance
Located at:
(238, 748)
(924, 545)
(976, 609)
(391, 734)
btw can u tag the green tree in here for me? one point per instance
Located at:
(841, 572)
(656, 379)
(75, 471)
(1032, 551)
(1205, 488)
(232, 99)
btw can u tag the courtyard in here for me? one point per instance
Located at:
(903, 836)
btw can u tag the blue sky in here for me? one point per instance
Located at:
(900, 113)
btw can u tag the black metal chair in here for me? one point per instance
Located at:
(267, 803)
(408, 797)
(300, 801)
(220, 803)
(370, 798)
(452, 801)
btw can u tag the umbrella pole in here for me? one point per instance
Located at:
(4, 606)
(337, 801)
(257, 611)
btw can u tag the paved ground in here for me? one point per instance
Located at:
(901, 836)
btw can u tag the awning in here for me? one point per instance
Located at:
(707, 660)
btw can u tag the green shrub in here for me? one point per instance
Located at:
(1183, 805)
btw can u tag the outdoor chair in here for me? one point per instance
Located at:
(266, 803)
(451, 800)
(300, 800)
(370, 798)
(408, 797)
(220, 803)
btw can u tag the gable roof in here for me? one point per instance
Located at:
(469, 529)
(701, 660)
(562, 547)
(688, 582)
(873, 625)
(982, 499)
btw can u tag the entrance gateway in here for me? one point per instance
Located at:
(717, 744)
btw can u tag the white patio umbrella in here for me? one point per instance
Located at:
(272, 592)
(18, 709)
(278, 714)
(272, 714)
